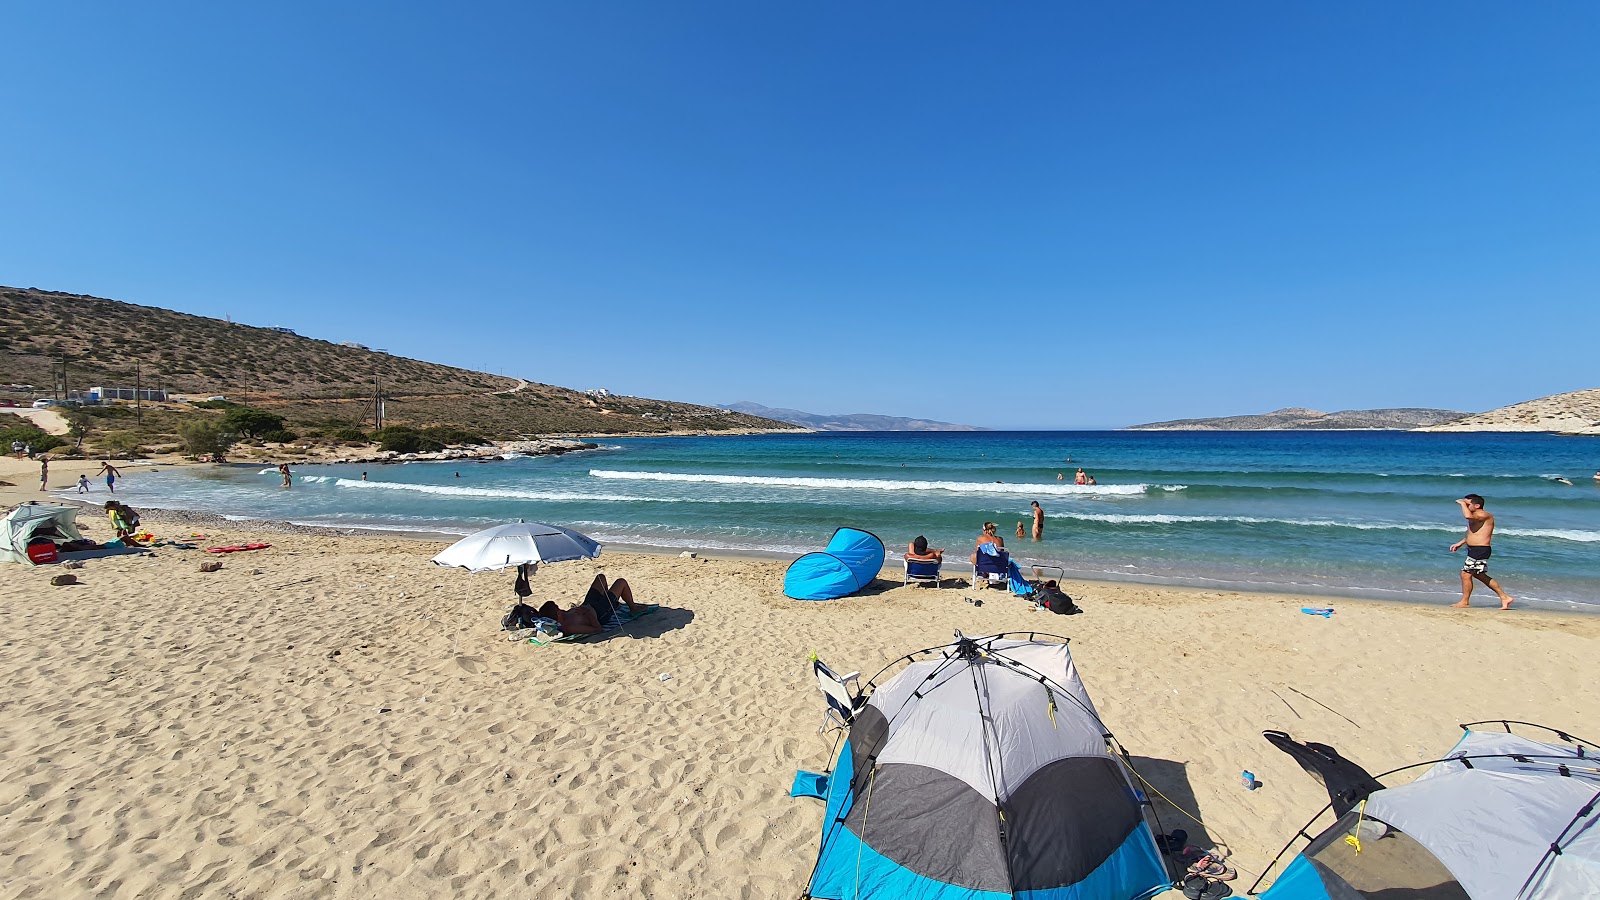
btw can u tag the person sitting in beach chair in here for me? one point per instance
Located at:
(990, 561)
(599, 610)
(922, 563)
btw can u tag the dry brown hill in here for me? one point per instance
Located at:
(1575, 412)
(1298, 419)
(312, 383)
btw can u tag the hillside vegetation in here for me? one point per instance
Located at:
(319, 388)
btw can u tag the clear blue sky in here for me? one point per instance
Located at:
(1046, 215)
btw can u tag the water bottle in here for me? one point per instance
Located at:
(1248, 779)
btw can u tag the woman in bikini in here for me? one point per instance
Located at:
(988, 537)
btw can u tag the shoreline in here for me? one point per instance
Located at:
(66, 470)
(889, 576)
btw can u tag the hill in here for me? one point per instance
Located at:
(1575, 412)
(851, 422)
(316, 385)
(1297, 419)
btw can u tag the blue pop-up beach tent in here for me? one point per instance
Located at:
(849, 563)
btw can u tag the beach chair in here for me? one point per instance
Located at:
(991, 568)
(922, 571)
(842, 700)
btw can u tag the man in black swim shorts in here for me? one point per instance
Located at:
(1480, 532)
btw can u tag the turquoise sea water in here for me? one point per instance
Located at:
(1366, 513)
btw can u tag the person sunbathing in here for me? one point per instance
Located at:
(988, 537)
(917, 551)
(597, 608)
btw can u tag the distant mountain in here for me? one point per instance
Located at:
(1575, 412)
(853, 422)
(1296, 419)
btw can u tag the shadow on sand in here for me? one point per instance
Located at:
(653, 625)
(1173, 798)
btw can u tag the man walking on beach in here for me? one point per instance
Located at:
(1038, 521)
(1480, 532)
(44, 473)
(111, 473)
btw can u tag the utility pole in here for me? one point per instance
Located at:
(377, 400)
(138, 393)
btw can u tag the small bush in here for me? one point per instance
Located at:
(203, 437)
(213, 404)
(121, 443)
(250, 422)
(349, 435)
(400, 439)
(281, 436)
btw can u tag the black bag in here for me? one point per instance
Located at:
(521, 616)
(522, 588)
(1057, 602)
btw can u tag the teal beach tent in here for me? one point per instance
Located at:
(849, 563)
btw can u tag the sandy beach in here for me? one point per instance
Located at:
(336, 717)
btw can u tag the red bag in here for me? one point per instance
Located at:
(42, 552)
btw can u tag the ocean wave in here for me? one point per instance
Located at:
(498, 493)
(875, 484)
(1563, 534)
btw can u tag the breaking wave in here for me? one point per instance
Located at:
(875, 484)
(496, 493)
(1562, 534)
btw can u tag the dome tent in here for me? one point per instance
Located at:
(30, 520)
(849, 563)
(982, 772)
(1501, 817)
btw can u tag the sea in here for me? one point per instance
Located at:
(1358, 513)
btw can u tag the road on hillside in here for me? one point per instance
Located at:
(48, 419)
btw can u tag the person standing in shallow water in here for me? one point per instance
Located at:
(1038, 521)
(1480, 532)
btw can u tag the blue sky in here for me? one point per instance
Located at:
(1011, 215)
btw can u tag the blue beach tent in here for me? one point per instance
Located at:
(849, 563)
(981, 771)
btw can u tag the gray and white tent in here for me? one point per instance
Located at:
(31, 520)
(1501, 817)
(983, 772)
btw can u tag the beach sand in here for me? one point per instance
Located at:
(336, 717)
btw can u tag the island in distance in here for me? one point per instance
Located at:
(1296, 419)
(852, 422)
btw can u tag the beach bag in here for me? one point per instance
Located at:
(1057, 602)
(42, 551)
(521, 616)
(522, 588)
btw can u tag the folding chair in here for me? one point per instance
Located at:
(842, 701)
(923, 571)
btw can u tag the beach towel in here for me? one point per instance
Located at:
(623, 617)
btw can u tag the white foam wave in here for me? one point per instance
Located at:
(1564, 534)
(875, 484)
(495, 493)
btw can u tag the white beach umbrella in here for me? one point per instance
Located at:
(517, 544)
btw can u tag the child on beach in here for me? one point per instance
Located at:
(83, 484)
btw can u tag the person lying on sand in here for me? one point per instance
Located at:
(588, 616)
